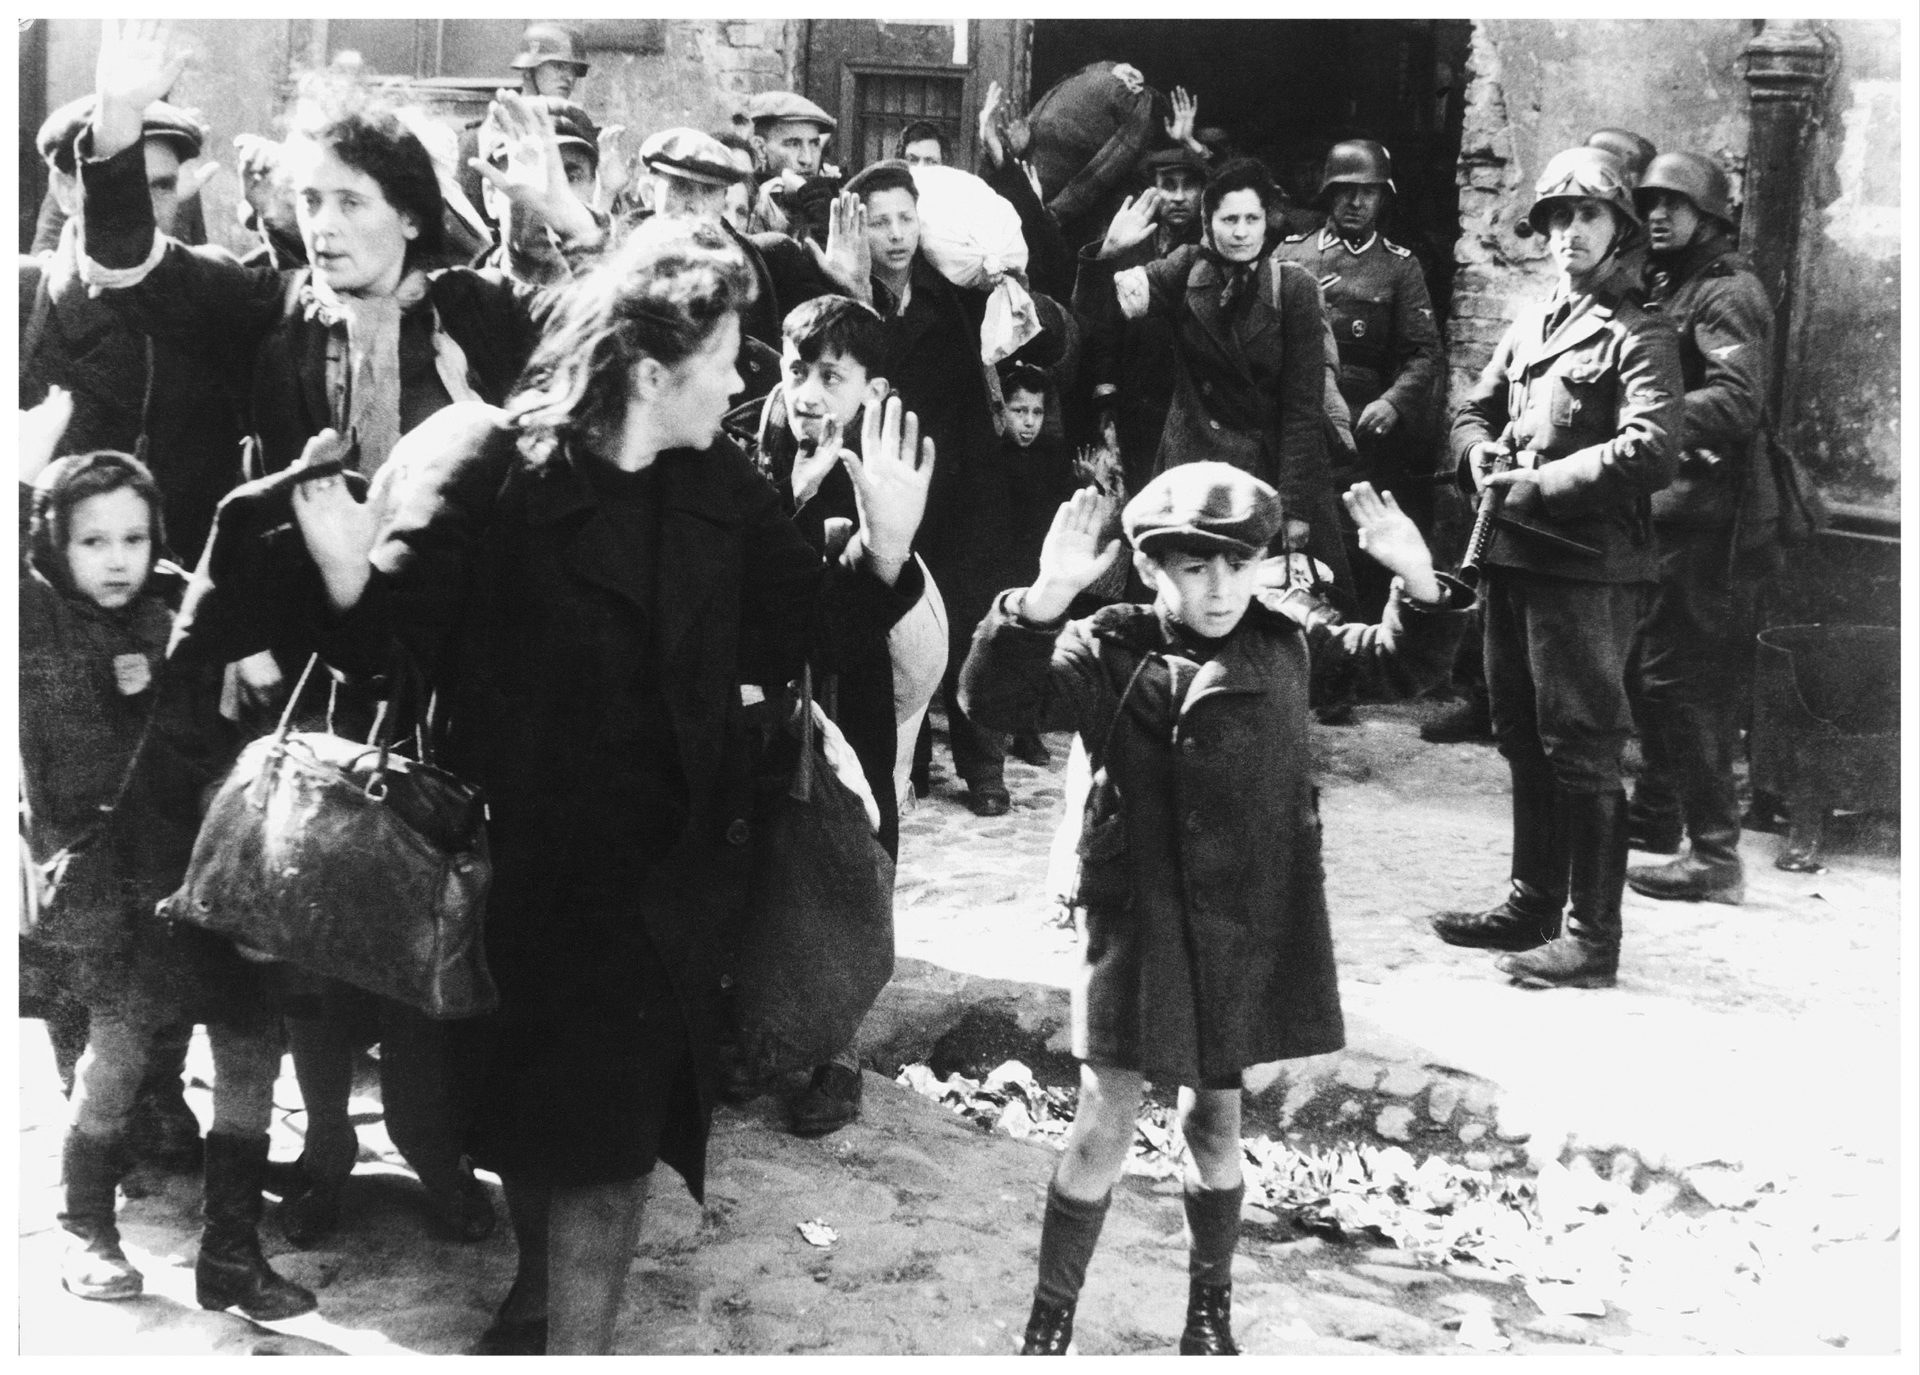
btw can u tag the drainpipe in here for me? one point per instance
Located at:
(1786, 66)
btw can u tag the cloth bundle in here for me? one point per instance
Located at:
(972, 234)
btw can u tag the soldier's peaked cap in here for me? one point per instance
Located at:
(1211, 505)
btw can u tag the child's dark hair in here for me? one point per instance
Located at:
(836, 324)
(1025, 377)
(918, 132)
(346, 118)
(68, 482)
(1242, 174)
(889, 175)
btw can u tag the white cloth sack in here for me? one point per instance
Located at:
(971, 233)
(918, 646)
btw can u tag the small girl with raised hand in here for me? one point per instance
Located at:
(1207, 954)
(115, 836)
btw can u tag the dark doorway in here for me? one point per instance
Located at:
(1287, 90)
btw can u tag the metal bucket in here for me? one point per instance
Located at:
(1826, 716)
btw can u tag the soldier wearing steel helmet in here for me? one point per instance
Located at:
(1688, 669)
(1584, 395)
(1383, 323)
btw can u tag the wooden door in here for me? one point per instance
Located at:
(876, 76)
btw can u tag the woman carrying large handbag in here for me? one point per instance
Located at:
(587, 578)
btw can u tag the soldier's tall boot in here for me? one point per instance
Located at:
(1699, 737)
(1530, 915)
(1587, 953)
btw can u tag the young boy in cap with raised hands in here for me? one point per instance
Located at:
(1207, 955)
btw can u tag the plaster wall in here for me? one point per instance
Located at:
(1537, 86)
(680, 71)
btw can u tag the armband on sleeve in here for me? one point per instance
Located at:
(1130, 289)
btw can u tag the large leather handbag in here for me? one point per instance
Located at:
(349, 860)
(816, 946)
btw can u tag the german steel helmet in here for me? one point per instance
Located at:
(1699, 179)
(1634, 150)
(547, 42)
(1357, 162)
(1583, 173)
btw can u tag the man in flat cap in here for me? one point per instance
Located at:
(690, 174)
(1130, 363)
(790, 135)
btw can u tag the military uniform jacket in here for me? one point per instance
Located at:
(1725, 323)
(1598, 399)
(1381, 315)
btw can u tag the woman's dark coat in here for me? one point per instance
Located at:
(1207, 947)
(512, 590)
(259, 326)
(1249, 384)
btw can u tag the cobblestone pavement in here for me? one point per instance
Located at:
(1726, 1127)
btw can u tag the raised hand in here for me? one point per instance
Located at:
(337, 529)
(40, 432)
(1186, 110)
(890, 478)
(615, 175)
(990, 125)
(848, 257)
(1075, 554)
(1133, 223)
(1389, 535)
(535, 177)
(132, 72)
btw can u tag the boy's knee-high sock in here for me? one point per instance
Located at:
(1213, 1221)
(1067, 1239)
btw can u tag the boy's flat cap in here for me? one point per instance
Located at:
(1206, 504)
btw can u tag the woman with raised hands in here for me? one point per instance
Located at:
(587, 577)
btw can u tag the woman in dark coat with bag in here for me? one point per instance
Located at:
(1249, 347)
(588, 578)
(367, 341)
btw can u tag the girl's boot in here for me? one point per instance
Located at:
(231, 1272)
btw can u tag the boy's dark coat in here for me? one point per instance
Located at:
(1206, 942)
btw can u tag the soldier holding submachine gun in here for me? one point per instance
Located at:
(1571, 428)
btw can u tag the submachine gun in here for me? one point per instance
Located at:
(1488, 514)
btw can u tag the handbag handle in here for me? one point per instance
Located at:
(381, 738)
